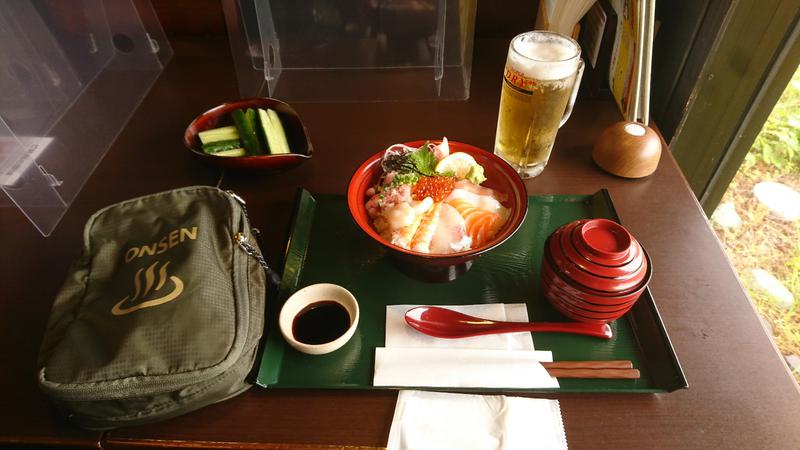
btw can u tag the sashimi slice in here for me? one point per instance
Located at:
(482, 202)
(481, 190)
(451, 232)
(481, 225)
(440, 151)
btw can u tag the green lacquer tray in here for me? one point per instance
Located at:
(326, 246)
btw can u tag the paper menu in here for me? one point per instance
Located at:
(621, 70)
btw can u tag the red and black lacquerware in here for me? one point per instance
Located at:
(220, 116)
(441, 267)
(594, 270)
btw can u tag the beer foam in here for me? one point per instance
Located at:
(544, 56)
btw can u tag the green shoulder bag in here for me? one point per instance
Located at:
(160, 315)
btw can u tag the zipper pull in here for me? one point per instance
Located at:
(241, 240)
(237, 198)
(241, 203)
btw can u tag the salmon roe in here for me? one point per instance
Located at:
(438, 188)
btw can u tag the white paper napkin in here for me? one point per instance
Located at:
(413, 359)
(440, 367)
(442, 421)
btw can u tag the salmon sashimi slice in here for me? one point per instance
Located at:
(483, 202)
(481, 225)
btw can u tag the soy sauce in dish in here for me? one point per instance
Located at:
(320, 322)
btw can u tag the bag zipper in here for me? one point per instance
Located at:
(242, 240)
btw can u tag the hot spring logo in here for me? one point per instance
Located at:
(145, 285)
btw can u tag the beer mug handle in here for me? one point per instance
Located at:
(574, 94)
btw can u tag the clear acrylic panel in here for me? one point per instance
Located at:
(72, 75)
(333, 50)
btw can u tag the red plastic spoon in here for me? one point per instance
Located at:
(449, 324)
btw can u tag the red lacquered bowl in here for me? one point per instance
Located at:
(553, 290)
(603, 241)
(584, 293)
(585, 273)
(580, 318)
(570, 263)
(581, 315)
(613, 276)
(220, 116)
(629, 269)
(572, 248)
(441, 267)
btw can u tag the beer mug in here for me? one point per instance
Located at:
(540, 82)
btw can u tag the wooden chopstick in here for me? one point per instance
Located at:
(613, 364)
(626, 374)
(622, 369)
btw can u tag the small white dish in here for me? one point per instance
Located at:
(309, 295)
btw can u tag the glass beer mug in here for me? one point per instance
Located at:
(540, 82)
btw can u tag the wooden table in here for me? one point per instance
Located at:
(741, 393)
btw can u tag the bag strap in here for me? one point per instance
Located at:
(242, 241)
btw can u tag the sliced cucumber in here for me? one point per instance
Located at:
(245, 121)
(221, 146)
(234, 152)
(218, 134)
(263, 125)
(273, 132)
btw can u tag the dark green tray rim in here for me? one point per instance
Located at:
(655, 354)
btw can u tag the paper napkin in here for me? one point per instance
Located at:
(442, 421)
(413, 359)
(438, 367)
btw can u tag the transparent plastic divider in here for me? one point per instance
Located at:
(384, 50)
(78, 71)
(438, 59)
(270, 46)
(245, 41)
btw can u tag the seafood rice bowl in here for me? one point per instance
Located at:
(430, 200)
(435, 206)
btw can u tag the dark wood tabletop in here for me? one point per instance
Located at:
(741, 394)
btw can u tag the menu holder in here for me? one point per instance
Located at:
(325, 245)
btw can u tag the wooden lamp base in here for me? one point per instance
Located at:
(628, 149)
